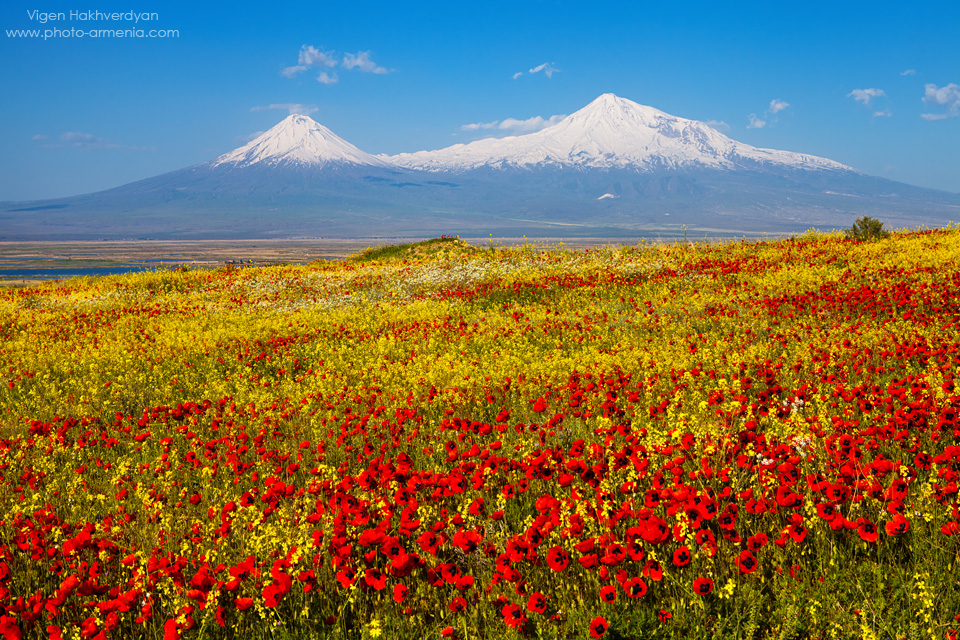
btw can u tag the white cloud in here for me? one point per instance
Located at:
(947, 96)
(909, 72)
(530, 124)
(80, 139)
(328, 78)
(85, 141)
(719, 125)
(515, 126)
(310, 57)
(886, 113)
(289, 72)
(864, 96)
(755, 122)
(517, 74)
(302, 109)
(39, 138)
(361, 61)
(777, 105)
(547, 68)
(474, 126)
(313, 57)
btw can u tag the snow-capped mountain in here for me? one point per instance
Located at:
(298, 140)
(613, 133)
(613, 168)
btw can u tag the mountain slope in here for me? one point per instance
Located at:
(612, 132)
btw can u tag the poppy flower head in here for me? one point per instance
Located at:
(558, 558)
(702, 586)
(746, 562)
(635, 587)
(537, 603)
(608, 594)
(598, 627)
(867, 530)
(681, 556)
(513, 615)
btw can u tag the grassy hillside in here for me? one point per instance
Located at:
(730, 440)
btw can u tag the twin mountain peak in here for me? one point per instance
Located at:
(609, 133)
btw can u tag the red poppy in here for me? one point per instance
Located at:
(608, 594)
(346, 577)
(537, 603)
(681, 556)
(867, 530)
(272, 595)
(513, 615)
(746, 562)
(653, 570)
(243, 603)
(897, 525)
(170, 630)
(400, 592)
(827, 511)
(598, 627)
(702, 586)
(458, 604)
(705, 536)
(635, 587)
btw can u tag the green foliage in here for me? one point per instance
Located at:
(441, 245)
(867, 229)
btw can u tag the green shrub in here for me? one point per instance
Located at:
(867, 228)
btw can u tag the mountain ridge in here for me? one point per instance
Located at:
(613, 132)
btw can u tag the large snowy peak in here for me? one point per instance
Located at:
(612, 132)
(298, 140)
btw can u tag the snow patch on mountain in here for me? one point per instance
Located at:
(612, 132)
(298, 140)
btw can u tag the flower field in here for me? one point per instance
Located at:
(738, 440)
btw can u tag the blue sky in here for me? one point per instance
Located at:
(874, 85)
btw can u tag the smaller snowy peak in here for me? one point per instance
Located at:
(298, 140)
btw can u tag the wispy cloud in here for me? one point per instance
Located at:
(326, 61)
(310, 57)
(909, 72)
(546, 68)
(293, 108)
(886, 113)
(85, 141)
(362, 62)
(947, 97)
(475, 126)
(719, 125)
(328, 78)
(776, 106)
(864, 96)
(514, 125)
